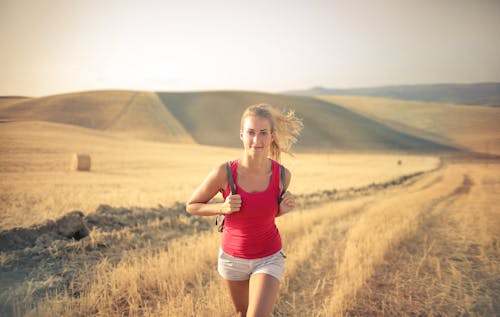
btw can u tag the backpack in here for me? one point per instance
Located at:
(219, 220)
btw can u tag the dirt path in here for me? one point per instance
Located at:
(309, 285)
(450, 265)
(444, 261)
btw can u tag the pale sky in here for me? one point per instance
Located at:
(59, 46)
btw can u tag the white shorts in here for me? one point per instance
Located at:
(232, 268)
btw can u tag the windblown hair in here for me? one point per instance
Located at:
(286, 127)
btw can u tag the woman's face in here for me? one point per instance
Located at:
(256, 134)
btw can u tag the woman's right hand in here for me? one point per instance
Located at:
(231, 205)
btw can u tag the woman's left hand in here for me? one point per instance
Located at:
(287, 204)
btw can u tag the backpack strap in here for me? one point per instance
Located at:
(219, 220)
(283, 181)
(230, 178)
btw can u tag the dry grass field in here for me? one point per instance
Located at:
(374, 234)
(37, 181)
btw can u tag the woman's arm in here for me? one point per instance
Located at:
(213, 183)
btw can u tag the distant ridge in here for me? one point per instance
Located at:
(13, 97)
(487, 94)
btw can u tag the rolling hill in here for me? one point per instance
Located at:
(212, 118)
(136, 114)
(475, 128)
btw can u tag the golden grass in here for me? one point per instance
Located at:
(135, 173)
(335, 252)
(339, 254)
(124, 172)
(449, 265)
(383, 225)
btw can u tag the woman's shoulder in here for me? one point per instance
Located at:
(221, 169)
(219, 175)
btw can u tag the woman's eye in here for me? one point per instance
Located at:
(263, 133)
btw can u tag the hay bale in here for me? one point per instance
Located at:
(80, 162)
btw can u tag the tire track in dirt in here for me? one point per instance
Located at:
(441, 269)
(307, 288)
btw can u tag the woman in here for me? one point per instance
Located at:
(251, 259)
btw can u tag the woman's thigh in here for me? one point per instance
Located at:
(263, 291)
(238, 291)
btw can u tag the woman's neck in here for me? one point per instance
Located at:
(255, 164)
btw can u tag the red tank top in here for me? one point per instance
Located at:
(251, 233)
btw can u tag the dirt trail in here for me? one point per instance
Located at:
(309, 286)
(450, 265)
(446, 263)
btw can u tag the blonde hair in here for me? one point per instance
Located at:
(285, 126)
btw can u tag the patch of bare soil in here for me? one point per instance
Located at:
(45, 258)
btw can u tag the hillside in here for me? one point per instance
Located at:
(475, 128)
(487, 94)
(128, 113)
(213, 118)
(7, 101)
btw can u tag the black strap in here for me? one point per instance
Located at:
(283, 181)
(230, 178)
(219, 220)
